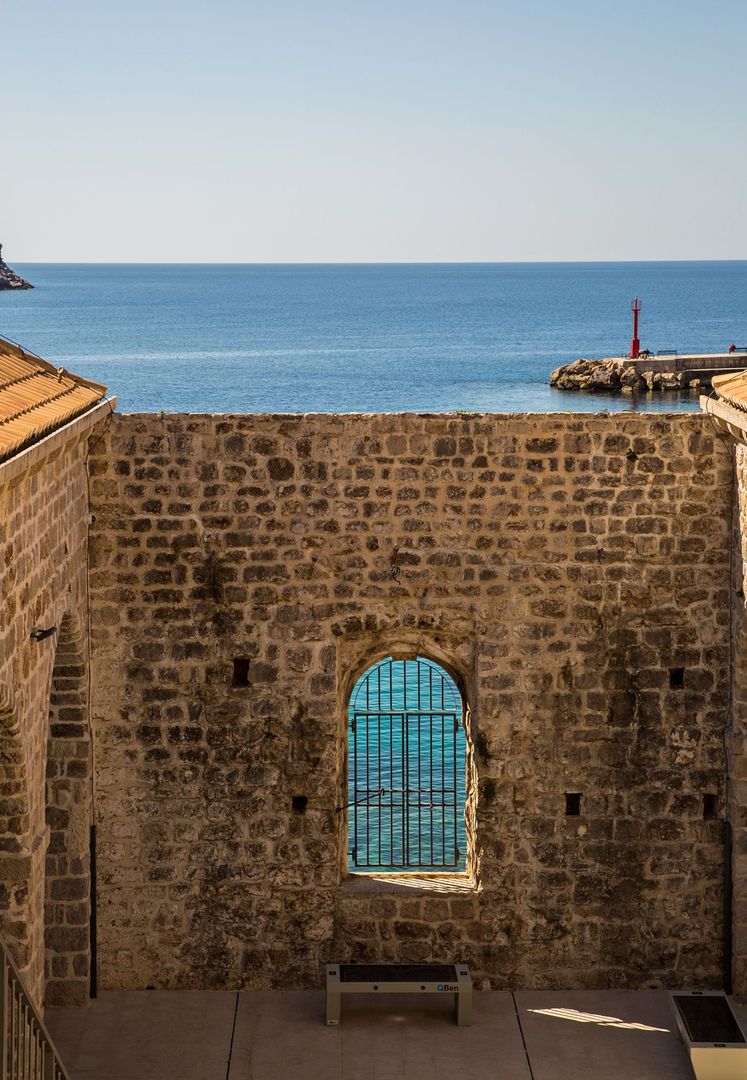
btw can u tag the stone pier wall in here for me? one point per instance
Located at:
(571, 570)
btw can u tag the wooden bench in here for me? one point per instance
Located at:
(400, 979)
(712, 1035)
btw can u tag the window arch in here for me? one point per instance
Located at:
(407, 751)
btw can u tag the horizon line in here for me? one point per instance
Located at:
(374, 262)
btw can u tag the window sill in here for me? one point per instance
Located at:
(409, 883)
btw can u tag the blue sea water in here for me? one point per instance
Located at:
(407, 782)
(368, 337)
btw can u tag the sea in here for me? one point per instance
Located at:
(367, 337)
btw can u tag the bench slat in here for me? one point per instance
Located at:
(386, 973)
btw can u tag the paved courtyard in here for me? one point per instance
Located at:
(554, 1035)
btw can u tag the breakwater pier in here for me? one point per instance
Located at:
(647, 373)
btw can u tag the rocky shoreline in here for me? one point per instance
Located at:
(614, 376)
(9, 279)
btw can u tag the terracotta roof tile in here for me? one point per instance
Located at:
(36, 398)
(732, 388)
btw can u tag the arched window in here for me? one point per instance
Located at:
(406, 769)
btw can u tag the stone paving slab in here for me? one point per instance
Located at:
(282, 1036)
(146, 1035)
(272, 1035)
(614, 1034)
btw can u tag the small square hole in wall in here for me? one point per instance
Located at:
(240, 671)
(572, 803)
(676, 678)
(298, 804)
(710, 805)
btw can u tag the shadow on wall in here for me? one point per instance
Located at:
(15, 843)
(68, 816)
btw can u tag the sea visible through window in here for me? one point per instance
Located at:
(406, 769)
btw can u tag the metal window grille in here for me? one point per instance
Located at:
(406, 769)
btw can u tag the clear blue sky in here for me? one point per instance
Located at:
(244, 131)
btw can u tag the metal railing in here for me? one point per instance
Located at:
(27, 1051)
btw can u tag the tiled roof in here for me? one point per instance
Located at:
(36, 398)
(732, 388)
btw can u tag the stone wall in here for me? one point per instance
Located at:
(43, 536)
(737, 731)
(571, 570)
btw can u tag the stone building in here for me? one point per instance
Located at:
(579, 577)
(47, 420)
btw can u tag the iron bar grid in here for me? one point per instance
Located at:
(406, 786)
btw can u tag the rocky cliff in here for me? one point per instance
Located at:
(9, 279)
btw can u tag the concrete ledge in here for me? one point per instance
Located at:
(687, 362)
(425, 884)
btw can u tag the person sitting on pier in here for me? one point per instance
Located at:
(732, 347)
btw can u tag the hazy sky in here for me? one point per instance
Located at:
(246, 131)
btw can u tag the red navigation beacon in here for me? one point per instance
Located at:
(635, 345)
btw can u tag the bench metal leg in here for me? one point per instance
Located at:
(333, 995)
(464, 997)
